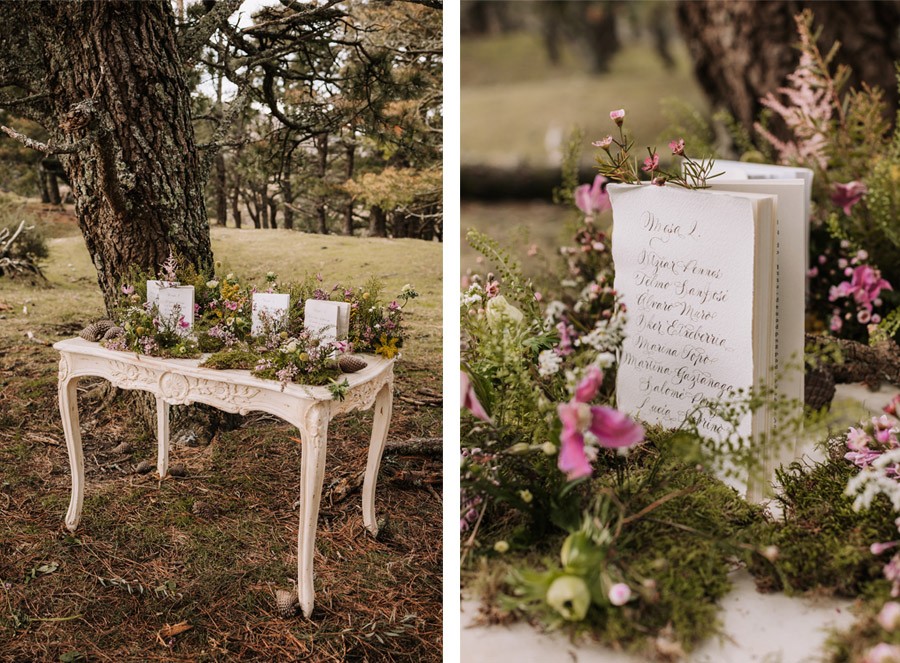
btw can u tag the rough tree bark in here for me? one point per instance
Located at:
(744, 49)
(377, 222)
(117, 98)
(221, 193)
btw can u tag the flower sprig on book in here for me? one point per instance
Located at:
(222, 317)
(617, 162)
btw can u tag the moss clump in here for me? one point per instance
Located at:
(822, 542)
(232, 359)
(685, 547)
(676, 555)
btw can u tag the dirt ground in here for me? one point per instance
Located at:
(185, 569)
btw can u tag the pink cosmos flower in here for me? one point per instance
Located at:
(611, 428)
(603, 143)
(617, 116)
(677, 147)
(592, 198)
(651, 163)
(469, 400)
(847, 195)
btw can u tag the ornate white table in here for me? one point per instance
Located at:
(182, 382)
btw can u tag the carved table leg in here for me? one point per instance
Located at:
(312, 473)
(162, 437)
(383, 406)
(68, 410)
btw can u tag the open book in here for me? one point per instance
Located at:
(703, 282)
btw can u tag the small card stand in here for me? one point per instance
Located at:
(153, 288)
(269, 307)
(177, 302)
(329, 321)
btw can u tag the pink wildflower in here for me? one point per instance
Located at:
(847, 195)
(617, 116)
(587, 389)
(127, 289)
(611, 428)
(603, 143)
(469, 400)
(882, 653)
(889, 617)
(619, 594)
(651, 163)
(592, 198)
(677, 147)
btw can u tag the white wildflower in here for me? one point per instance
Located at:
(549, 363)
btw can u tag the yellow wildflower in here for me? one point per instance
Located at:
(388, 348)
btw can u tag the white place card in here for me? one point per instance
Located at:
(153, 288)
(175, 303)
(329, 321)
(269, 307)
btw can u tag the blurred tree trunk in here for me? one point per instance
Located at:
(744, 49)
(263, 205)
(45, 187)
(377, 222)
(287, 191)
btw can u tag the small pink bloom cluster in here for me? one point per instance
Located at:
(871, 440)
(864, 286)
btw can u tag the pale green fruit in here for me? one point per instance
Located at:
(570, 597)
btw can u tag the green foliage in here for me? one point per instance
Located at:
(239, 359)
(822, 542)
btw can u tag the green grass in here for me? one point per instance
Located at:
(511, 97)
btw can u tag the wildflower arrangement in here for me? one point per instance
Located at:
(843, 136)
(282, 350)
(617, 162)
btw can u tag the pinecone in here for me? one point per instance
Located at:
(95, 331)
(351, 364)
(143, 467)
(113, 332)
(177, 470)
(122, 448)
(286, 602)
(818, 388)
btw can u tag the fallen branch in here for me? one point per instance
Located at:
(416, 446)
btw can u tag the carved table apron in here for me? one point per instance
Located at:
(182, 381)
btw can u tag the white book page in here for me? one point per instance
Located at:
(273, 306)
(790, 275)
(322, 319)
(685, 271)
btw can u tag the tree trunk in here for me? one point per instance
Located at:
(116, 79)
(348, 210)
(273, 211)
(236, 202)
(377, 222)
(221, 193)
(743, 49)
(264, 206)
(45, 186)
(287, 192)
(321, 211)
